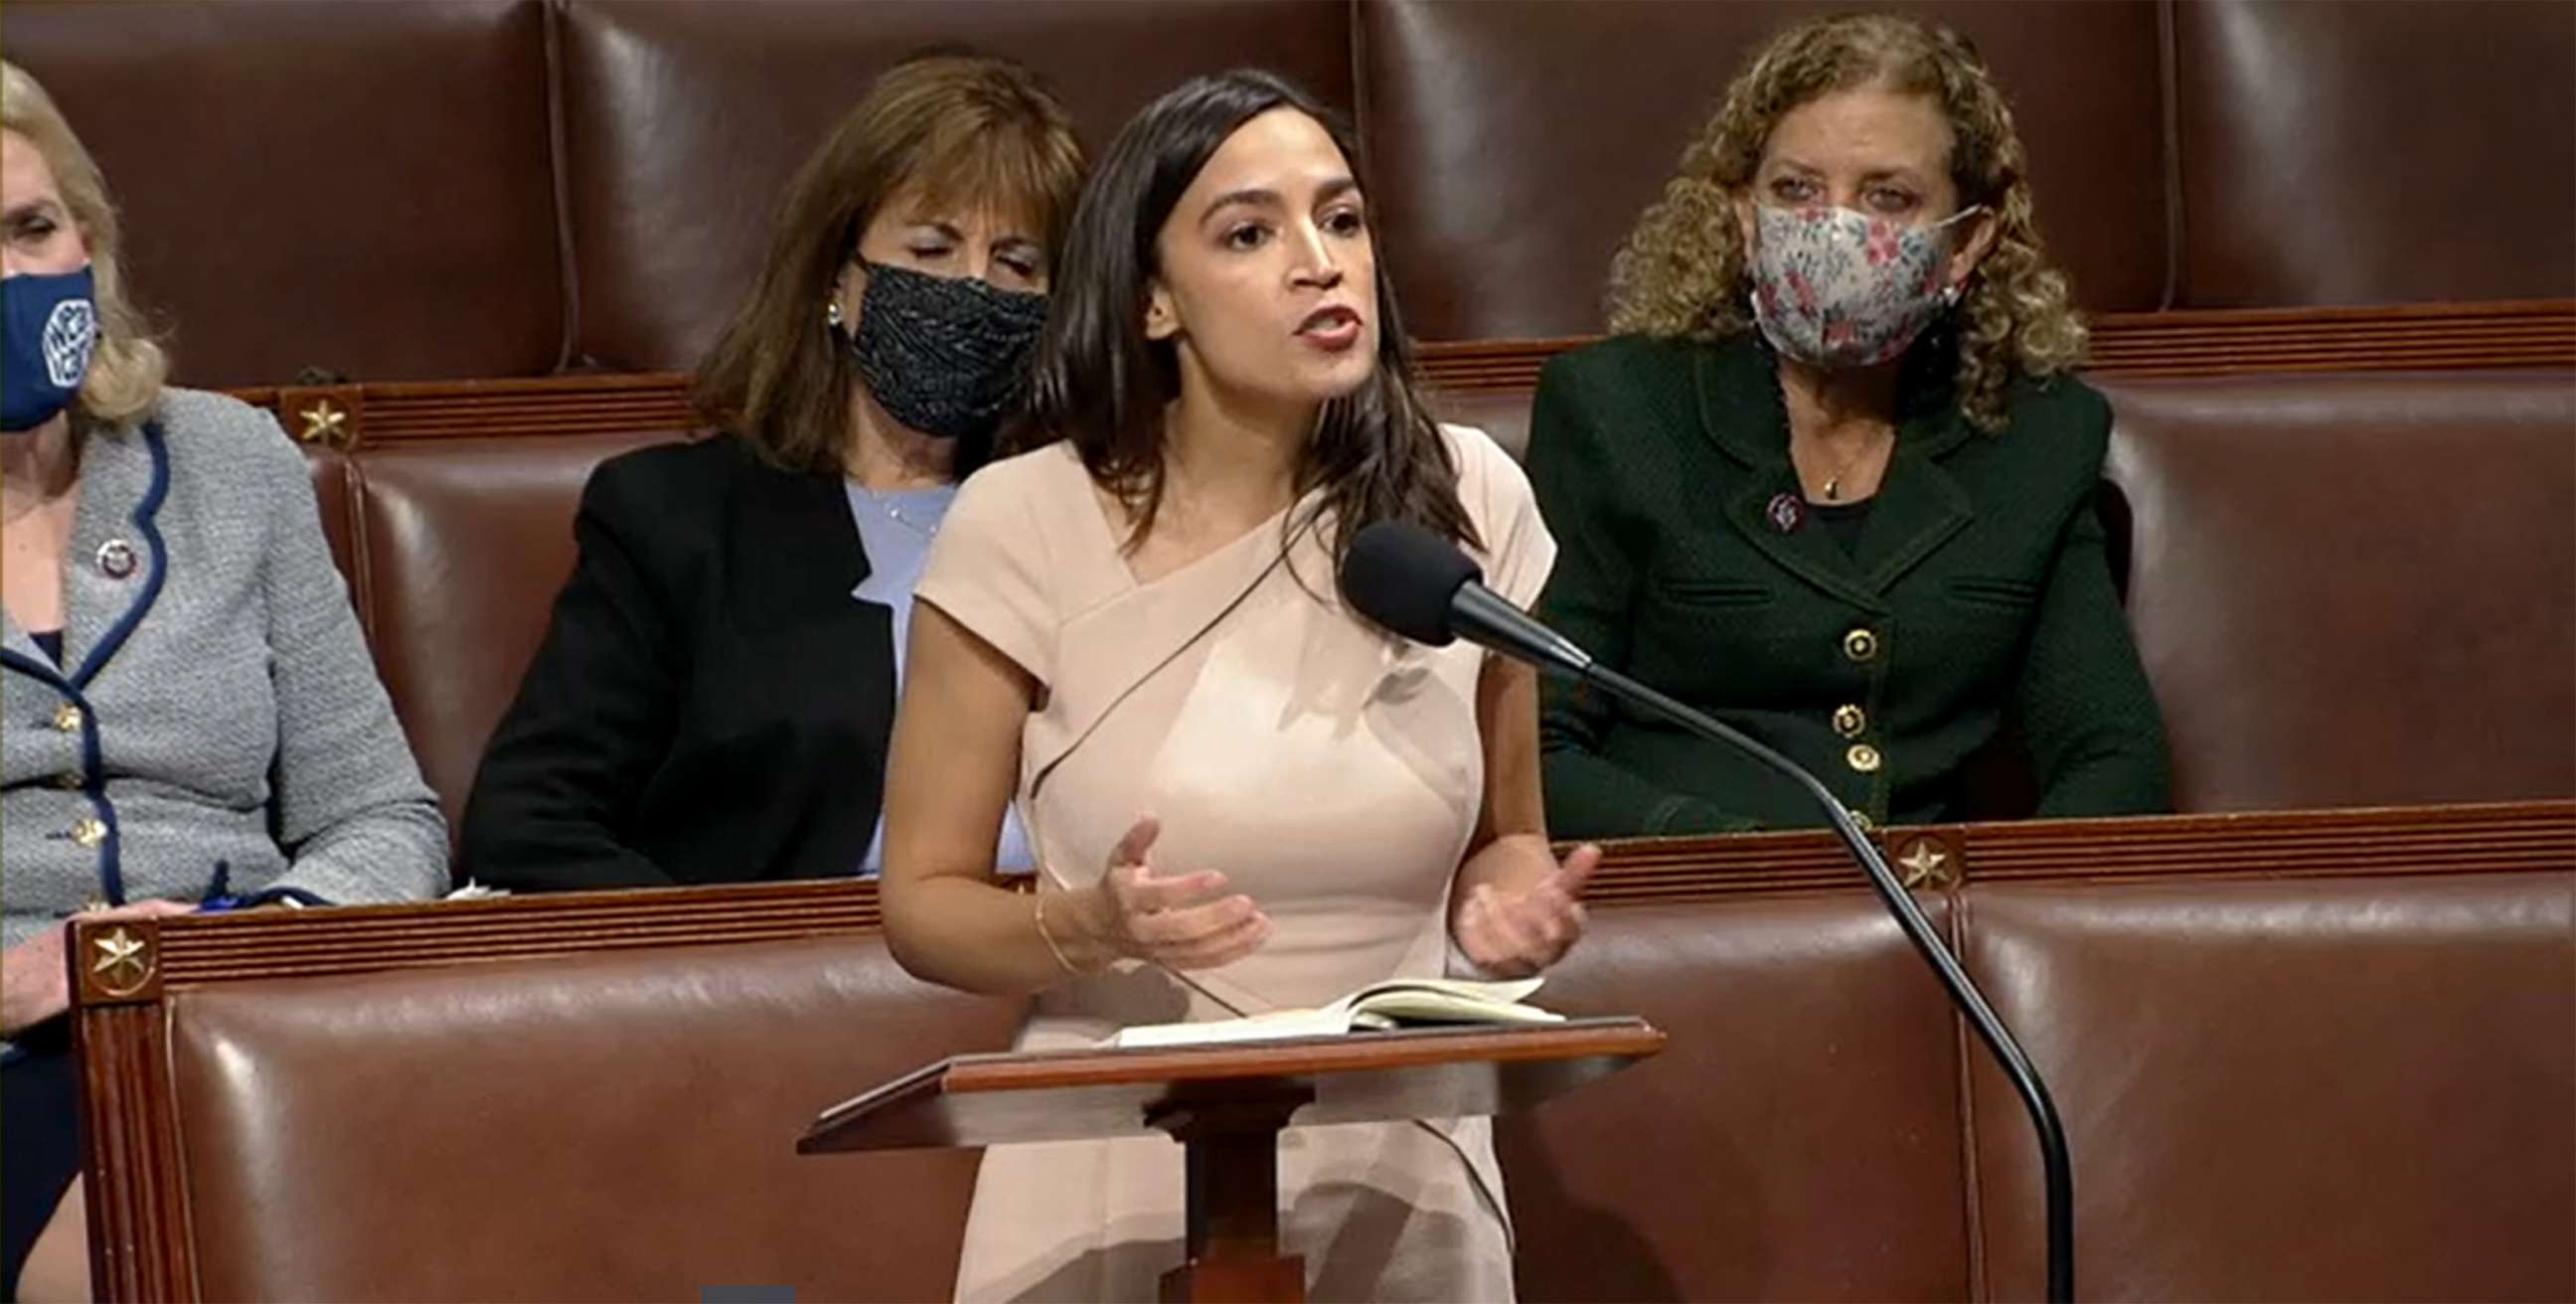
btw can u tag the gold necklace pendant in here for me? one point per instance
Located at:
(1833, 486)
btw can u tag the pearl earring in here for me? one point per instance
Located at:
(832, 311)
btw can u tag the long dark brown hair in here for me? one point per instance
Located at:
(1376, 453)
(958, 127)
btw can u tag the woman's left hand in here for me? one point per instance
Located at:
(1515, 933)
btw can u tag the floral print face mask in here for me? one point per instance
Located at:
(1835, 287)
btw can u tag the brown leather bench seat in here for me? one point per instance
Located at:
(2355, 590)
(2347, 1081)
(616, 1126)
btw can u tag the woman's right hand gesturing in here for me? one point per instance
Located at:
(1178, 921)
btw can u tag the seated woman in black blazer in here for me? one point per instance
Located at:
(1832, 480)
(713, 699)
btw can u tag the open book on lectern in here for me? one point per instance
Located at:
(1397, 1003)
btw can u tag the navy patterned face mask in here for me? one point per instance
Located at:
(50, 330)
(946, 356)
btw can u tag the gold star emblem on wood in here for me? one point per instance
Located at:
(325, 424)
(1925, 863)
(123, 962)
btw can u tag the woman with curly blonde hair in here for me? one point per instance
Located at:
(188, 718)
(1832, 478)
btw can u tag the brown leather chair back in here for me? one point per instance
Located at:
(611, 1126)
(1515, 142)
(2316, 1055)
(1798, 1140)
(2374, 153)
(467, 541)
(361, 188)
(334, 495)
(2356, 590)
(1501, 413)
(477, 188)
(2352, 1088)
(670, 203)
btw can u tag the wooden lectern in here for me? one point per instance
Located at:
(1226, 1104)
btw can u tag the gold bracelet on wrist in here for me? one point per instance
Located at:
(1039, 897)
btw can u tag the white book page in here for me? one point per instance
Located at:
(1378, 1006)
(1327, 1022)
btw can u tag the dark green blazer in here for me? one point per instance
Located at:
(1977, 590)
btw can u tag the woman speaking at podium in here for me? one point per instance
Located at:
(1243, 798)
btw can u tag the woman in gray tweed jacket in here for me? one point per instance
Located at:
(188, 718)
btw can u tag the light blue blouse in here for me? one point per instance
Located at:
(896, 529)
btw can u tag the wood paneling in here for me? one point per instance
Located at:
(2401, 337)
(191, 950)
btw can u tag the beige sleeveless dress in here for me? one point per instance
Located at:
(1330, 771)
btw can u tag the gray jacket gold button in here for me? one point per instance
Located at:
(89, 831)
(67, 718)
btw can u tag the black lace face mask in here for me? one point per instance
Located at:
(946, 356)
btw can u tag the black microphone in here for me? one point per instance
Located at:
(1421, 587)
